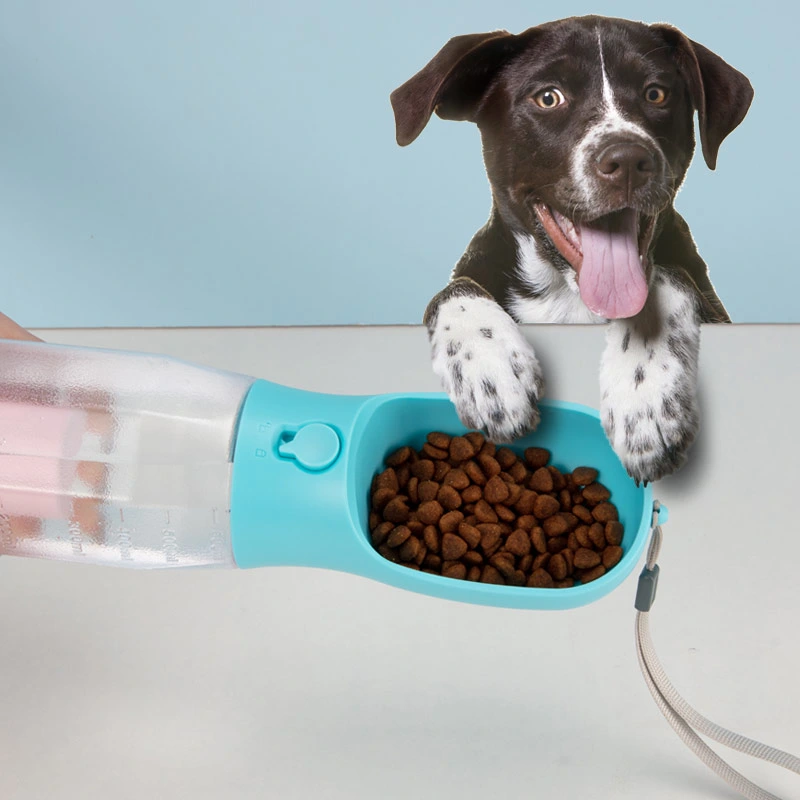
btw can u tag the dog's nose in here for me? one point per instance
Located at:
(626, 164)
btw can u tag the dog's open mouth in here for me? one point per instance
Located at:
(608, 256)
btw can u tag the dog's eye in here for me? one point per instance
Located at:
(549, 98)
(656, 95)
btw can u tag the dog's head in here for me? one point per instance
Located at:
(587, 129)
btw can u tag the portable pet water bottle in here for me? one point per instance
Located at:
(138, 460)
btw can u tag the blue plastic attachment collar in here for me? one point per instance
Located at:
(290, 494)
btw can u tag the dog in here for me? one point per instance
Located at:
(587, 126)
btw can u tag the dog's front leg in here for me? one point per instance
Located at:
(648, 378)
(484, 362)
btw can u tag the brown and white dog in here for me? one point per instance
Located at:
(587, 127)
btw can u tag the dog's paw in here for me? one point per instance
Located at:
(487, 367)
(649, 408)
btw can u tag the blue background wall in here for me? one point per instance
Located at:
(234, 163)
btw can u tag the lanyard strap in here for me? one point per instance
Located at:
(687, 722)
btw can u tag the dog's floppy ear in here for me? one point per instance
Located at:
(720, 93)
(453, 83)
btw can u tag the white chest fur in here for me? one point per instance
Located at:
(558, 299)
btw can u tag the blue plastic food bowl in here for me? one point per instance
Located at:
(303, 469)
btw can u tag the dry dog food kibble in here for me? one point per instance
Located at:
(463, 508)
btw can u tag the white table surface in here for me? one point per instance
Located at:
(293, 683)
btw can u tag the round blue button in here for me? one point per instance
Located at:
(315, 446)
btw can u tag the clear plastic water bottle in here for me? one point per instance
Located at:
(115, 457)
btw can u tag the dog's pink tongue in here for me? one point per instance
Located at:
(611, 279)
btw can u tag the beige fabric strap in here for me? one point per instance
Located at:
(686, 721)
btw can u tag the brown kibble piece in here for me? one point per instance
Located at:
(461, 449)
(505, 457)
(453, 547)
(474, 574)
(387, 480)
(484, 512)
(432, 561)
(559, 481)
(556, 544)
(450, 521)
(489, 465)
(597, 535)
(565, 498)
(583, 514)
(525, 563)
(516, 578)
(571, 520)
(398, 535)
(403, 475)
(475, 473)
(399, 457)
(541, 561)
(427, 491)
(470, 534)
(382, 496)
(518, 472)
(436, 453)
(472, 557)
(557, 567)
(542, 480)
(527, 522)
(556, 525)
(614, 532)
(583, 537)
(518, 543)
(412, 489)
(454, 569)
(438, 439)
(586, 559)
(536, 457)
(422, 469)
(476, 439)
(457, 478)
(503, 563)
(430, 512)
(431, 538)
(490, 536)
(569, 559)
(374, 520)
(396, 510)
(410, 549)
(380, 533)
(440, 470)
(449, 498)
(582, 476)
(540, 579)
(572, 541)
(472, 494)
(605, 512)
(545, 506)
(611, 556)
(490, 575)
(504, 513)
(488, 449)
(567, 583)
(496, 490)
(515, 491)
(539, 540)
(595, 493)
(525, 504)
(593, 574)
